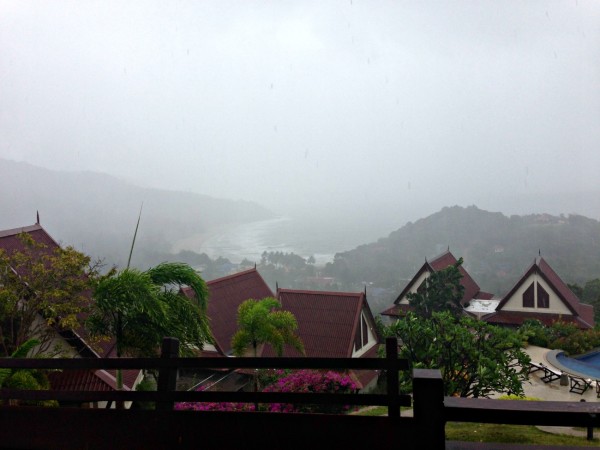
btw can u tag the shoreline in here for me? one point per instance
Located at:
(194, 242)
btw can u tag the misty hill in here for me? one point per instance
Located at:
(97, 213)
(497, 249)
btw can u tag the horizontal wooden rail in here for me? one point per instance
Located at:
(167, 366)
(204, 363)
(518, 412)
(194, 396)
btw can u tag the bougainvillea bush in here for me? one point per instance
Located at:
(309, 381)
(312, 381)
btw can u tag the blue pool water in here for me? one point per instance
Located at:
(587, 365)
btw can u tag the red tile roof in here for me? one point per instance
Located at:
(446, 259)
(225, 296)
(79, 380)
(559, 285)
(327, 325)
(471, 287)
(518, 317)
(10, 241)
(327, 321)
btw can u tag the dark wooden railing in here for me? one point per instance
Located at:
(71, 428)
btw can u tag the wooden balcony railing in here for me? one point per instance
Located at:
(70, 428)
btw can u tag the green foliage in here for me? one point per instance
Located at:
(289, 269)
(263, 322)
(580, 341)
(534, 332)
(139, 308)
(521, 435)
(23, 379)
(591, 295)
(148, 384)
(441, 291)
(560, 335)
(475, 358)
(41, 288)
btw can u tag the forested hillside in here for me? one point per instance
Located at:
(496, 249)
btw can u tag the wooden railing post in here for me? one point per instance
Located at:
(391, 356)
(167, 378)
(428, 408)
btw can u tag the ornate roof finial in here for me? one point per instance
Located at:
(37, 213)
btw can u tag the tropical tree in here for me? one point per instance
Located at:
(441, 291)
(474, 357)
(42, 289)
(264, 322)
(138, 308)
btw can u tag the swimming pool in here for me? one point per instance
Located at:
(585, 366)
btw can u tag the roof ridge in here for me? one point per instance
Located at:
(307, 291)
(441, 255)
(233, 275)
(19, 230)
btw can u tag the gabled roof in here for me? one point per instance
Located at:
(94, 380)
(225, 296)
(327, 321)
(446, 259)
(10, 241)
(88, 380)
(583, 315)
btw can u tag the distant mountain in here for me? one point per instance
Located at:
(97, 213)
(496, 248)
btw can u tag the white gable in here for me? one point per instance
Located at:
(515, 302)
(370, 336)
(413, 289)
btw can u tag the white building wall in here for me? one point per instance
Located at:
(371, 337)
(414, 287)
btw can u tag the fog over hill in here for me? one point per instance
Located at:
(97, 213)
(496, 248)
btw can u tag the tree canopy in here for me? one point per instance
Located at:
(441, 291)
(138, 309)
(263, 322)
(475, 358)
(42, 289)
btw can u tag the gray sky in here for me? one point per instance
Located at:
(292, 103)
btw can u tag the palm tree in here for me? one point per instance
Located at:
(138, 309)
(263, 322)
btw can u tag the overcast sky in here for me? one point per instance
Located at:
(298, 102)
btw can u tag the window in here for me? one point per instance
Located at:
(543, 298)
(528, 299)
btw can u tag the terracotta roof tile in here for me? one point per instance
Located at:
(327, 321)
(518, 317)
(225, 296)
(446, 259)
